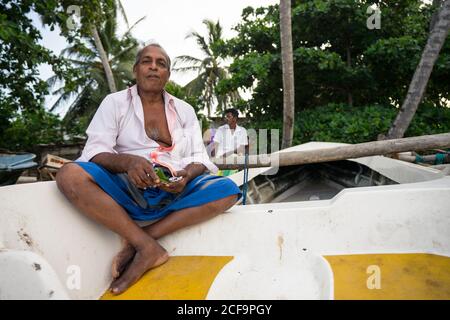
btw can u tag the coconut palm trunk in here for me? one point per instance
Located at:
(422, 74)
(104, 59)
(288, 73)
(436, 6)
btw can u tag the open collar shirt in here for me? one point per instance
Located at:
(118, 127)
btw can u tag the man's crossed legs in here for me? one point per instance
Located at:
(141, 251)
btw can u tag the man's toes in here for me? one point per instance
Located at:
(134, 271)
(117, 269)
(140, 264)
(121, 261)
(125, 281)
(118, 286)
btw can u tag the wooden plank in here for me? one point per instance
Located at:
(359, 150)
(55, 162)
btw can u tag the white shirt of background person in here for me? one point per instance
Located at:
(229, 141)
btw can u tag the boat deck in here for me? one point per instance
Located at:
(361, 277)
(310, 190)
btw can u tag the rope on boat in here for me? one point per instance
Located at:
(439, 158)
(244, 186)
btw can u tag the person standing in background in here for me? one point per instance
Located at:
(230, 138)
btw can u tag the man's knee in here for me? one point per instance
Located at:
(230, 201)
(70, 178)
(224, 204)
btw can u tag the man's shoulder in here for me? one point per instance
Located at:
(119, 96)
(221, 129)
(116, 101)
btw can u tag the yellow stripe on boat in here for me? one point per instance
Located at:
(180, 278)
(391, 276)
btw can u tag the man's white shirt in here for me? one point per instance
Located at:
(118, 127)
(229, 140)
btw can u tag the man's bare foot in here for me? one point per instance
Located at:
(122, 259)
(149, 257)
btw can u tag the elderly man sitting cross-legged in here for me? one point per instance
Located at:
(132, 131)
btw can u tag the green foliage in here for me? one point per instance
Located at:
(180, 92)
(337, 57)
(30, 128)
(89, 86)
(341, 123)
(194, 100)
(78, 71)
(23, 119)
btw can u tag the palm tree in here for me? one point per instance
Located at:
(288, 73)
(101, 50)
(210, 69)
(93, 83)
(104, 59)
(436, 39)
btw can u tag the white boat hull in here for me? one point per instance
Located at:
(278, 248)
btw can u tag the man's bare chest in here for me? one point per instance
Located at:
(156, 126)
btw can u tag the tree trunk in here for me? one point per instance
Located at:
(288, 73)
(421, 76)
(349, 65)
(359, 150)
(436, 7)
(104, 59)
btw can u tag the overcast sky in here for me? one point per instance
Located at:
(167, 22)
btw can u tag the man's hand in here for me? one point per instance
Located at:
(141, 174)
(177, 186)
(140, 171)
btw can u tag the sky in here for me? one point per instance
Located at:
(167, 22)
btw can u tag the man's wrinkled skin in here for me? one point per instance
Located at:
(140, 251)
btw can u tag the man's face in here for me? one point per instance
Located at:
(152, 71)
(230, 119)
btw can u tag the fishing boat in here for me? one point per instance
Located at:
(364, 228)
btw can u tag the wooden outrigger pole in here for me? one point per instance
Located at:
(373, 148)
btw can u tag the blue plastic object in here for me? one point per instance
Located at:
(12, 166)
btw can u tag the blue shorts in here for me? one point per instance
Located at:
(199, 191)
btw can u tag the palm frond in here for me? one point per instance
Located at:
(52, 81)
(117, 57)
(78, 106)
(186, 69)
(78, 50)
(196, 86)
(123, 13)
(63, 98)
(218, 32)
(186, 60)
(200, 41)
(128, 32)
(211, 27)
